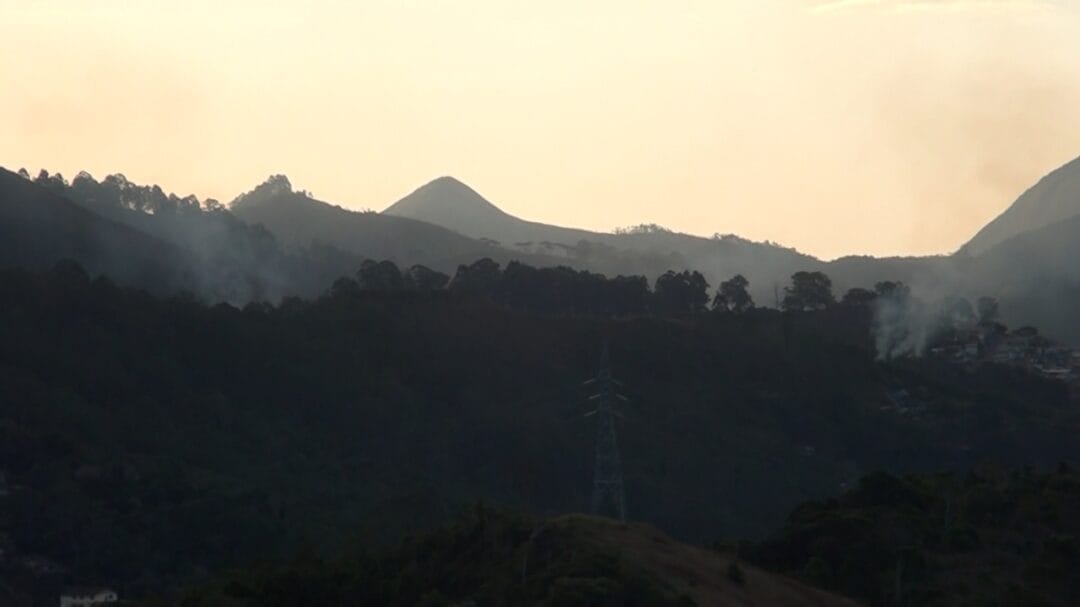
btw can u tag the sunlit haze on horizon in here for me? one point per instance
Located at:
(880, 127)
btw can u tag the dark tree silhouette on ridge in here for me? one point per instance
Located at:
(480, 277)
(680, 293)
(423, 278)
(858, 297)
(808, 291)
(732, 296)
(380, 276)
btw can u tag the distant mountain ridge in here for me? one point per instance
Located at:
(447, 202)
(649, 250)
(274, 241)
(1053, 198)
(300, 220)
(1022, 257)
(39, 228)
(450, 203)
(224, 258)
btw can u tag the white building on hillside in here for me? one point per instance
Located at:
(88, 597)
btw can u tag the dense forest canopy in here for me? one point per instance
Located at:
(131, 422)
(986, 536)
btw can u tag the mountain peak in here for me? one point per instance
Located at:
(446, 181)
(1054, 198)
(274, 188)
(443, 199)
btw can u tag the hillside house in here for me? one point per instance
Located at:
(88, 596)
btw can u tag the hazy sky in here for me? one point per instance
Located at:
(857, 126)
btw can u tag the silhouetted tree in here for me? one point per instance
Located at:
(628, 295)
(892, 289)
(54, 183)
(683, 292)
(480, 277)
(858, 297)
(521, 286)
(808, 291)
(344, 287)
(423, 278)
(380, 276)
(732, 296)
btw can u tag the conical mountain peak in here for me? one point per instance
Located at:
(439, 197)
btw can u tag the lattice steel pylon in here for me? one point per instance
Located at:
(607, 472)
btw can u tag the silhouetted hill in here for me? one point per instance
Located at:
(1026, 258)
(1054, 198)
(39, 228)
(300, 220)
(448, 202)
(230, 260)
(647, 250)
(452, 204)
(492, 558)
(1036, 277)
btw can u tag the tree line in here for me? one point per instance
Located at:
(558, 289)
(563, 289)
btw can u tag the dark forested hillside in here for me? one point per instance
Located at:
(988, 536)
(129, 423)
(38, 228)
(229, 259)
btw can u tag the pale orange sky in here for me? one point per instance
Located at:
(858, 126)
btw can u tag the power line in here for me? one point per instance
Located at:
(608, 494)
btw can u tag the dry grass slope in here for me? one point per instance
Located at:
(696, 572)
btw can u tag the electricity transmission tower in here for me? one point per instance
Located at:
(607, 471)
